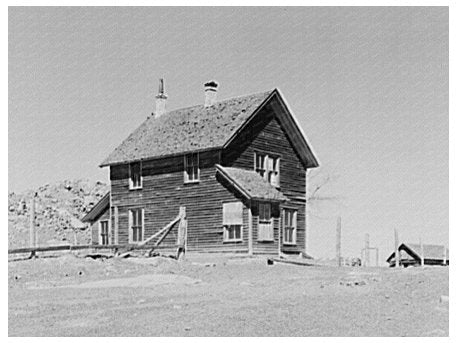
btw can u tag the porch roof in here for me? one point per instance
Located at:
(251, 184)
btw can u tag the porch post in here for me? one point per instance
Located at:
(116, 225)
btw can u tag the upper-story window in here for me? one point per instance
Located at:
(135, 179)
(268, 167)
(191, 168)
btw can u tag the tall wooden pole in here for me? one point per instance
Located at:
(367, 250)
(422, 253)
(397, 253)
(444, 255)
(338, 242)
(32, 222)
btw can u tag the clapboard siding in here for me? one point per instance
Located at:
(95, 227)
(265, 135)
(164, 191)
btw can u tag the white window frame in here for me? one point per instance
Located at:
(131, 225)
(131, 186)
(263, 224)
(269, 167)
(187, 179)
(227, 228)
(232, 225)
(100, 237)
(294, 226)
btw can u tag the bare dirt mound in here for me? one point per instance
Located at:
(59, 209)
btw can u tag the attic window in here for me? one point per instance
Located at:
(135, 179)
(191, 168)
(267, 167)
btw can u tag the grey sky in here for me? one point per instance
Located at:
(369, 86)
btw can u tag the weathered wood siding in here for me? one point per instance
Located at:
(265, 135)
(95, 227)
(164, 191)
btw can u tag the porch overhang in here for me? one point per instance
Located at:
(250, 184)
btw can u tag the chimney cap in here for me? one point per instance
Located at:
(161, 93)
(212, 84)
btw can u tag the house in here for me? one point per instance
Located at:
(411, 254)
(239, 167)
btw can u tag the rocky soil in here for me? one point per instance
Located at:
(221, 296)
(59, 209)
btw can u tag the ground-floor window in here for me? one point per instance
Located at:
(290, 226)
(232, 233)
(232, 220)
(265, 228)
(104, 232)
(136, 220)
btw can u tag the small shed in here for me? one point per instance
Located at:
(98, 219)
(411, 255)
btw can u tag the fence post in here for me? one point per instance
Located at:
(338, 242)
(32, 224)
(444, 255)
(397, 252)
(422, 253)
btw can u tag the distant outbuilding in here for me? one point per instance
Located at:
(411, 255)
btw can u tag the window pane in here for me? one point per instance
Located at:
(238, 232)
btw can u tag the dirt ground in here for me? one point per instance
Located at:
(221, 296)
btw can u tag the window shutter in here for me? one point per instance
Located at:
(186, 177)
(130, 177)
(100, 232)
(277, 173)
(130, 226)
(232, 213)
(295, 227)
(198, 166)
(142, 225)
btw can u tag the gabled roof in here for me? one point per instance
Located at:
(201, 128)
(250, 184)
(188, 129)
(98, 209)
(431, 251)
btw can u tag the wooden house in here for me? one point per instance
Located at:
(411, 255)
(238, 166)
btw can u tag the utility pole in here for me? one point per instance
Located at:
(367, 250)
(397, 253)
(338, 242)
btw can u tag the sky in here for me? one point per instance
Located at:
(369, 86)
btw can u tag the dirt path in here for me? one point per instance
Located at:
(71, 296)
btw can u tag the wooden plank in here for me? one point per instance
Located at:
(71, 247)
(280, 260)
(162, 231)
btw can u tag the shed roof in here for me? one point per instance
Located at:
(251, 184)
(98, 209)
(431, 251)
(188, 129)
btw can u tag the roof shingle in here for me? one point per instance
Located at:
(189, 129)
(251, 183)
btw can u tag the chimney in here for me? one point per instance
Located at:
(161, 100)
(210, 93)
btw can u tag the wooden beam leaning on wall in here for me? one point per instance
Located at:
(162, 233)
